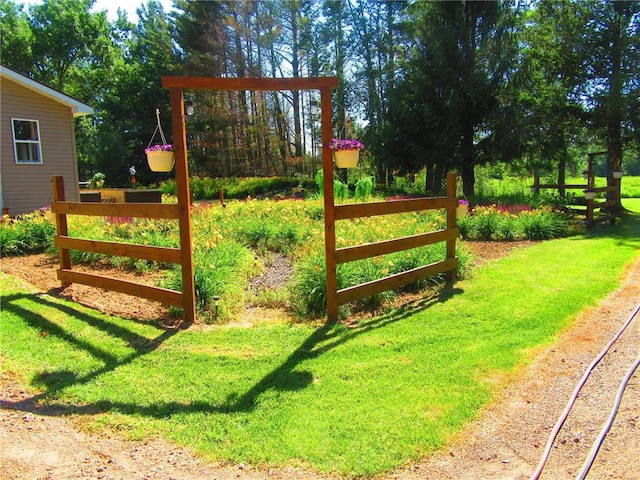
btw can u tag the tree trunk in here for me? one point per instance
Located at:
(562, 166)
(614, 120)
(468, 180)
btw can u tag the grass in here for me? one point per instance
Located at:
(355, 401)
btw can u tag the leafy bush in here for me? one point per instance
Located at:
(25, 234)
(309, 291)
(516, 222)
(364, 189)
(340, 191)
(270, 234)
(543, 225)
(486, 223)
(97, 180)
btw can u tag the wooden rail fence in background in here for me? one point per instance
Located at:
(591, 204)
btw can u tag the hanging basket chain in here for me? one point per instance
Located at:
(158, 128)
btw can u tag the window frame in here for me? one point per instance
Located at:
(17, 142)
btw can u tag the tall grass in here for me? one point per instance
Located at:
(207, 188)
(30, 233)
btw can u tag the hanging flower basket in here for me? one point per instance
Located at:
(462, 209)
(589, 194)
(160, 158)
(617, 174)
(346, 158)
(346, 153)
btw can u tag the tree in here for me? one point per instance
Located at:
(442, 108)
(17, 37)
(613, 40)
(69, 43)
(374, 37)
(545, 104)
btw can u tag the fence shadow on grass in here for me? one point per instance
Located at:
(284, 377)
(56, 381)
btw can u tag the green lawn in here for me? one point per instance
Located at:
(355, 401)
(632, 204)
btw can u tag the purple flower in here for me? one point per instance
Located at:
(463, 202)
(167, 147)
(339, 144)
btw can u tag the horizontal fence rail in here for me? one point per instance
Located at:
(392, 282)
(148, 210)
(158, 294)
(360, 210)
(368, 250)
(132, 250)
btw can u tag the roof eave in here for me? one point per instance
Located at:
(77, 107)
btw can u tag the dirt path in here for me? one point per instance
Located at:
(504, 442)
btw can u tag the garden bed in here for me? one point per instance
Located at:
(40, 271)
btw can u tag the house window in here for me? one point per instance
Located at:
(26, 141)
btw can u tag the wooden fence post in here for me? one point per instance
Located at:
(451, 221)
(62, 227)
(329, 207)
(590, 186)
(184, 203)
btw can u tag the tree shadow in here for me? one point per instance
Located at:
(286, 377)
(626, 231)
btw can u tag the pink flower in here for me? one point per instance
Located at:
(339, 144)
(167, 147)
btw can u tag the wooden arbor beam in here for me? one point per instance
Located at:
(256, 84)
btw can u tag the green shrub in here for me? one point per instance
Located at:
(25, 234)
(97, 180)
(486, 223)
(340, 191)
(364, 189)
(270, 234)
(508, 228)
(543, 225)
(516, 222)
(309, 289)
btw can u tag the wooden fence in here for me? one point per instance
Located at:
(65, 243)
(594, 207)
(336, 256)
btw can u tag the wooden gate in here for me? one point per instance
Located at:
(333, 213)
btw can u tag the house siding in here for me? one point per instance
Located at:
(27, 187)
